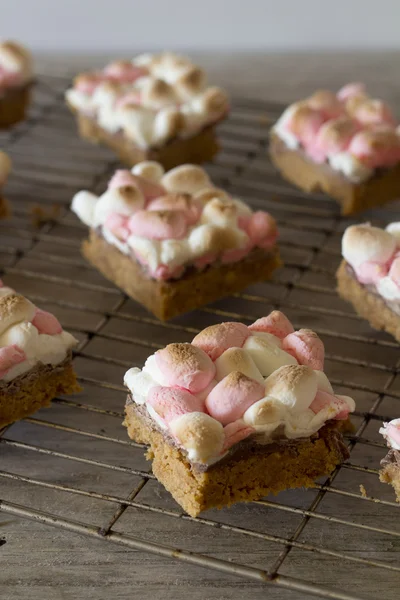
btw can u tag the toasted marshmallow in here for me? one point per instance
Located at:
(220, 213)
(237, 359)
(83, 205)
(236, 432)
(149, 169)
(137, 123)
(185, 366)
(139, 384)
(268, 413)
(293, 385)
(361, 243)
(147, 252)
(167, 124)
(174, 253)
(158, 224)
(215, 339)
(267, 355)
(170, 403)
(14, 58)
(122, 200)
(186, 178)
(157, 93)
(190, 83)
(306, 347)
(199, 434)
(13, 309)
(24, 335)
(232, 396)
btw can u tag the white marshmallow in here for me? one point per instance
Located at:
(149, 169)
(282, 132)
(151, 368)
(383, 431)
(267, 355)
(175, 253)
(51, 349)
(114, 200)
(14, 308)
(266, 414)
(114, 241)
(349, 401)
(148, 250)
(323, 382)
(139, 384)
(137, 123)
(80, 100)
(294, 385)
(269, 337)
(220, 213)
(166, 125)
(83, 205)
(25, 335)
(350, 166)
(362, 243)
(237, 359)
(394, 230)
(388, 289)
(186, 179)
(199, 434)
(156, 417)
(19, 369)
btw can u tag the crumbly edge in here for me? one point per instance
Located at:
(391, 474)
(243, 479)
(197, 149)
(311, 177)
(14, 103)
(368, 305)
(167, 299)
(35, 390)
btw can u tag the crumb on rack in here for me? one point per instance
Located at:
(363, 491)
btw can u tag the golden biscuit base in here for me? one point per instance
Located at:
(167, 299)
(14, 104)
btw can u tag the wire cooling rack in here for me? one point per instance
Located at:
(73, 467)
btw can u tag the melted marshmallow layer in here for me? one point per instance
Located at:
(232, 382)
(352, 132)
(15, 65)
(151, 99)
(175, 220)
(374, 255)
(28, 336)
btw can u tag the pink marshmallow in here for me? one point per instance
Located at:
(170, 403)
(261, 227)
(232, 396)
(10, 356)
(236, 432)
(124, 72)
(126, 99)
(8, 78)
(333, 137)
(305, 124)
(214, 340)
(118, 225)
(88, 82)
(324, 399)
(159, 225)
(47, 323)
(376, 148)
(121, 178)
(306, 347)
(394, 271)
(164, 272)
(351, 89)
(370, 272)
(393, 431)
(185, 366)
(276, 323)
(236, 254)
(326, 103)
(149, 189)
(373, 112)
(181, 202)
(204, 393)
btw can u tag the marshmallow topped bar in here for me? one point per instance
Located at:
(369, 276)
(345, 144)
(174, 241)
(16, 76)
(149, 101)
(5, 168)
(250, 399)
(390, 465)
(35, 357)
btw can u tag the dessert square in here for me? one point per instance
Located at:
(172, 240)
(346, 145)
(369, 275)
(239, 413)
(35, 357)
(5, 168)
(16, 78)
(390, 465)
(154, 107)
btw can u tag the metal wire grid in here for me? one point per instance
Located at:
(50, 164)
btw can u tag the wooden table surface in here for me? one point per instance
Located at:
(40, 562)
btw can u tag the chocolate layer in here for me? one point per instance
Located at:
(39, 370)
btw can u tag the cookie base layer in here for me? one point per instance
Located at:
(14, 103)
(167, 299)
(370, 306)
(200, 148)
(311, 177)
(34, 390)
(4, 208)
(244, 479)
(391, 474)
